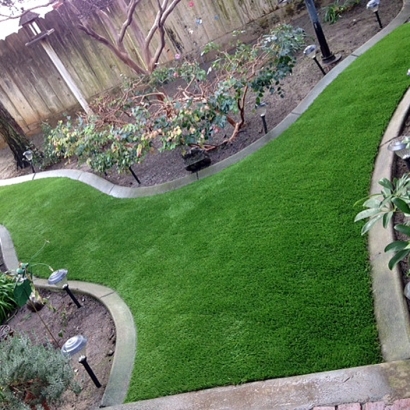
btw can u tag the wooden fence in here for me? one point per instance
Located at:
(33, 91)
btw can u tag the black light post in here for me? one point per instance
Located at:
(327, 56)
(400, 146)
(310, 51)
(28, 156)
(75, 349)
(59, 279)
(261, 109)
(373, 5)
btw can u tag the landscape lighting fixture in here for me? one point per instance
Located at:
(310, 51)
(373, 5)
(261, 110)
(75, 348)
(59, 279)
(28, 156)
(400, 146)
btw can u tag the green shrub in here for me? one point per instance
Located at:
(7, 303)
(334, 11)
(32, 375)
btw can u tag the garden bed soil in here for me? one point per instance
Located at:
(65, 320)
(353, 29)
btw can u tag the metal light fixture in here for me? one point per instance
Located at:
(75, 348)
(401, 147)
(59, 279)
(327, 56)
(373, 5)
(310, 51)
(28, 156)
(261, 110)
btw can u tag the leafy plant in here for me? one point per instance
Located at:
(335, 10)
(394, 198)
(7, 302)
(32, 376)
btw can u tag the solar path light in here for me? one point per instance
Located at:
(400, 146)
(261, 110)
(373, 5)
(28, 156)
(59, 279)
(75, 348)
(310, 51)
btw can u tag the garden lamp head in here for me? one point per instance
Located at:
(261, 109)
(75, 347)
(310, 51)
(373, 5)
(28, 155)
(58, 278)
(400, 146)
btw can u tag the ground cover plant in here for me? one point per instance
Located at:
(254, 273)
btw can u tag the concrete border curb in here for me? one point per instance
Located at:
(392, 315)
(126, 334)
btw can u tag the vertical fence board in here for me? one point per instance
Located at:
(32, 89)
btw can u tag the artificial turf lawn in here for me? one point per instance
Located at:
(257, 272)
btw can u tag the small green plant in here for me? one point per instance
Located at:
(335, 10)
(32, 376)
(394, 198)
(7, 302)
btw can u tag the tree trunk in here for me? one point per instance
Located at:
(14, 136)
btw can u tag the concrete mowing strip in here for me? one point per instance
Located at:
(126, 334)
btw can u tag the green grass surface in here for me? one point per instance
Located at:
(257, 272)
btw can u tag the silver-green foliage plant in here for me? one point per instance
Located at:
(393, 199)
(32, 376)
(7, 302)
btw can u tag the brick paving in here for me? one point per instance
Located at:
(402, 404)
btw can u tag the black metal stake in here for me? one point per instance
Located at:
(378, 19)
(327, 56)
(134, 175)
(83, 361)
(265, 127)
(74, 299)
(318, 64)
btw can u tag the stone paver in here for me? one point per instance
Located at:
(403, 404)
(351, 406)
(379, 405)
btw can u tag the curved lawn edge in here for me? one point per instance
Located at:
(126, 333)
(118, 191)
(392, 314)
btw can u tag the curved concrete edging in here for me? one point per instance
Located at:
(124, 192)
(126, 334)
(392, 314)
